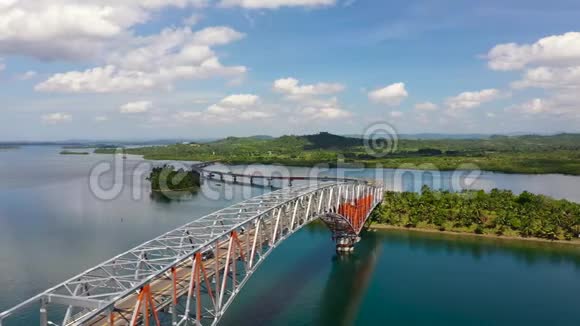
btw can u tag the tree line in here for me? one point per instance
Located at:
(167, 178)
(499, 212)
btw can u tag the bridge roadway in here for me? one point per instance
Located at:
(191, 275)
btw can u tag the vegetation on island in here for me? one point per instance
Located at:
(498, 212)
(8, 147)
(511, 154)
(67, 152)
(168, 179)
(73, 147)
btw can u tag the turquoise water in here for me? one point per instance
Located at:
(402, 277)
(52, 227)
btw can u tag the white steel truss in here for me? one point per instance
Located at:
(190, 275)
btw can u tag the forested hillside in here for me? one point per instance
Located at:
(516, 154)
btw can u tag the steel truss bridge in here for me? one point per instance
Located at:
(191, 275)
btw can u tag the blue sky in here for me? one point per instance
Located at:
(196, 68)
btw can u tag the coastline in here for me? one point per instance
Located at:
(355, 164)
(379, 226)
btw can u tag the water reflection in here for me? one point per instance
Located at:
(529, 252)
(166, 197)
(348, 282)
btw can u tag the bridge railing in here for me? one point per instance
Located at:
(202, 264)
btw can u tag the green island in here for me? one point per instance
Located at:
(67, 152)
(168, 179)
(531, 154)
(73, 147)
(8, 147)
(498, 213)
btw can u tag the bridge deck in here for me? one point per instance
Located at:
(238, 237)
(162, 290)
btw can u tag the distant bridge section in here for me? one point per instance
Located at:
(191, 275)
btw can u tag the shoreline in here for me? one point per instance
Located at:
(355, 164)
(379, 226)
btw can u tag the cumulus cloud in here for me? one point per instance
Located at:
(293, 90)
(218, 35)
(152, 62)
(390, 95)
(240, 100)
(554, 50)
(561, 104)
(136, 107)
(231, 108)
(324, 113)
(469, 100)
(101, 118)
(550, 78)
(534, 106)
(57, 117)
(426, 106)
(69, 29)
(275, 4)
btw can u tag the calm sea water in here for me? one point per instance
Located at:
(52, 226)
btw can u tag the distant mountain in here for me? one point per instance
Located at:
(325, 140)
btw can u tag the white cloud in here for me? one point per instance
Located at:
(426, 106)
(534, 106)
(136, 107)
(468, 100)
(396, 114)
(554, 50)
(2, 67)
(550, 78)
(240, 100)
(70, 29)
(152, 62)
(101, 118)
(391, 95)
(58, 117)
(275, 4)
(218, 35)
(231, 108)
(324, 113)
(293, 90)
(27, 75)
(562, 104)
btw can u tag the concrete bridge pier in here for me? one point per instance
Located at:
(345, 244)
